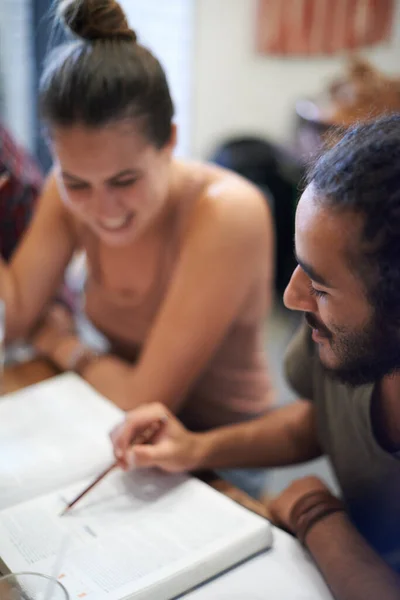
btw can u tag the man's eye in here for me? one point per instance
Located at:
(317, 293)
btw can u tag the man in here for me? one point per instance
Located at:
(345, 370)
(20, 183)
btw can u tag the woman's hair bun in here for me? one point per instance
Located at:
(95, 19)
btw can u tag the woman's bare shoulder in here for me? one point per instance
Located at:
(230, 200)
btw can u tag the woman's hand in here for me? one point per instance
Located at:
(56, 326)
(173, 449)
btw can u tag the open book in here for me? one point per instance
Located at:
(138, 535)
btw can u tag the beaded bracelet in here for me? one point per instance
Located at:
(312, 508)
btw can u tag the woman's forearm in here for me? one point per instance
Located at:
(108, 374)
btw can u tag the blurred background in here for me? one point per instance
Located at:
(257, 84)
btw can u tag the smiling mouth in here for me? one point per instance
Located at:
(318, 334)
(117, 223)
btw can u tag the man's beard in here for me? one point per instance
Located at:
(364, 356)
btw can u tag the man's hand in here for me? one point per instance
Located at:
(282, 506)
(173, 449)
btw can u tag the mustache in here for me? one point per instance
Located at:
(315, 324)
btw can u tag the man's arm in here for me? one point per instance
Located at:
(351, 568)
(284, 436)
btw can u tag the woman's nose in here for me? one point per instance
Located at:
(105, 203)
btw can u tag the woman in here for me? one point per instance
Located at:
(179, 254)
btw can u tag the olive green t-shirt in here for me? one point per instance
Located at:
(368, 475)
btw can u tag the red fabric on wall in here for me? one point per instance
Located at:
(312, 27)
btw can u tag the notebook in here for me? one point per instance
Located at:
(138, 535)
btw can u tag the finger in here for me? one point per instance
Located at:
(145, 456)
(120, 457)
(136, 422)
(114, 436)
(151, 435)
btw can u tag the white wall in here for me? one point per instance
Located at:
(16, 69)
(239, 91)
(221, 87)
(166, 27)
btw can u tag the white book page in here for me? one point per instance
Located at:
(52, 434)
(287, 571)
(140, 535)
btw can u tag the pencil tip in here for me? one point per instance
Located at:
(64, 511)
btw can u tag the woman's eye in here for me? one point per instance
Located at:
(124, 183)
(76, 186)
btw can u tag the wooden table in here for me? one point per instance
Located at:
(21, 375)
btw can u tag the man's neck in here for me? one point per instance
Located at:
(387, 413)
(390, 387)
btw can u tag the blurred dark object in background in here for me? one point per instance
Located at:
(278, 176)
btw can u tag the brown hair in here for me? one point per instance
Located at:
(104, 75)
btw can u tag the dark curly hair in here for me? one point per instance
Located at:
(361, 174)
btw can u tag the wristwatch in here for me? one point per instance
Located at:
(82, 357)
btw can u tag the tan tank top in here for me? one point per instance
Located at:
(235, 385)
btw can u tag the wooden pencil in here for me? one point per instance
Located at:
(144, 438)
